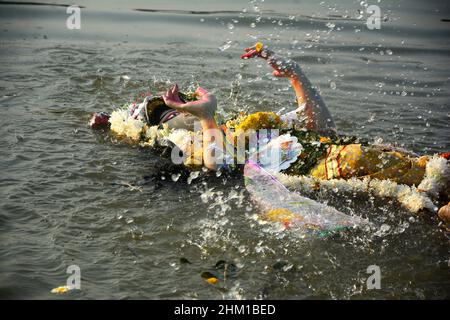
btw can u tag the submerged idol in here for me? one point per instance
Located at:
(311, 155)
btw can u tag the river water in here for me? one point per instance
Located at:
(72, 196)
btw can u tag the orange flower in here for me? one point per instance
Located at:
(325, 140)
(422, 161)
(60, 290)
(212, 280)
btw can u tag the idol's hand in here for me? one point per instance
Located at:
(284, 68)
(203, 108)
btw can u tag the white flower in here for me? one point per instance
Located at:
(124, 125)
(437, 175)
(155, 136)
(181, 138)
(151, 136)
(384, 188)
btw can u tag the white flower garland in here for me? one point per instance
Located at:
(437, 175)
(124, 125)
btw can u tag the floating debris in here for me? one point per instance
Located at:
(131, 187)
(61, 290)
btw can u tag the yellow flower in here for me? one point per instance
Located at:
(234, 122)
(259, 46)
(259, 120)
(60, 290)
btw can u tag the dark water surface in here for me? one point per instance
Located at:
(73, 196)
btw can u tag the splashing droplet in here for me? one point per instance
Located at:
(333, 85)
(225, 46)
(194, 175)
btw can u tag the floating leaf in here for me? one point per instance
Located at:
(207, 275)
(220, 264)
